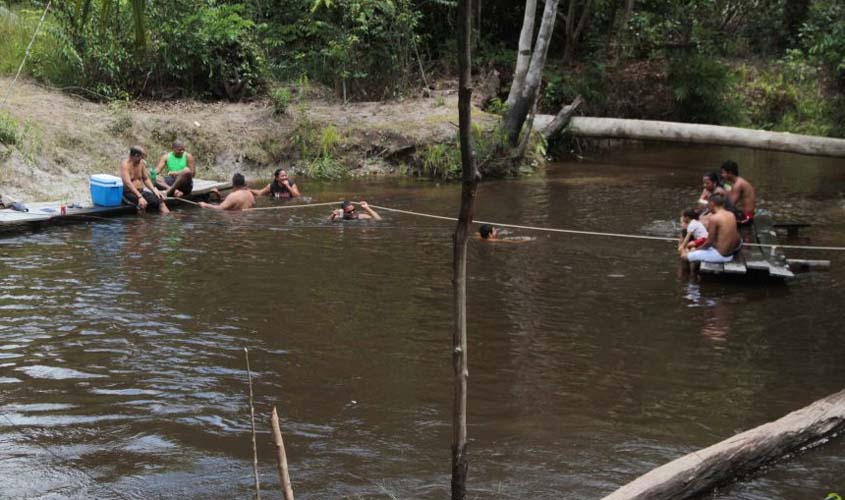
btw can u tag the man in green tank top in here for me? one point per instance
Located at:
(176, 170)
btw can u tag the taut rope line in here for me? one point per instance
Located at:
(532, 228)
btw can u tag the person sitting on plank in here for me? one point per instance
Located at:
(138, 189)
(723, 239)
(281, 187)
(176, 170)
(347, 212)
(696, 233)
(741, 195)
(239, 199)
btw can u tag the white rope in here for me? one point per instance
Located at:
(26, 54)
(544, 229)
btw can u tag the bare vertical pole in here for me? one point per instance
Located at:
(470, 176)
(281, 457)
(252, 418)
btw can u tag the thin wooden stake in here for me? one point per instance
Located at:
(252, 417)
(281, 457)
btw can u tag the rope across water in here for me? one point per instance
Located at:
(535, 228)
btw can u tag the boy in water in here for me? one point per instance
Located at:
(488, 232)
(347, 212)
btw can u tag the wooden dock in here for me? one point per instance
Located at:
(755, 260)
(49, 212)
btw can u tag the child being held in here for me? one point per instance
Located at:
(696, 233)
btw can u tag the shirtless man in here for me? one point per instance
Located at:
(493, 234)
(722, 236)
(742, 194)
(239, 199)
(176, 170)
(138, 189)
(347, 212)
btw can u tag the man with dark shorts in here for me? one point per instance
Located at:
(742, 195)
(176, 170)
(138, 189)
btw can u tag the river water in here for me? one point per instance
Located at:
(122, 368)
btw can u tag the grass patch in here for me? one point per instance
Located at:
(121, 118)
(280, 98)
(8, 129)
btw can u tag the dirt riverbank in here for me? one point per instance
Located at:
(63, 139)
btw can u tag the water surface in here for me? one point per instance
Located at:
(591, 361)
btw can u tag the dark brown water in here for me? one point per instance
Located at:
(121, 343)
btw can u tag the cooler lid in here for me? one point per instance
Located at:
(106, 180)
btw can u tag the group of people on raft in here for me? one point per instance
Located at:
(173, 177)
(711, 230)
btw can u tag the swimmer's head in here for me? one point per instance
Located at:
(347, 206)
(486, 230)
(717, 200)
(238, 180)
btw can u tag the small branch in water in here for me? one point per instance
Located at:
(281, 457)
(252, 418)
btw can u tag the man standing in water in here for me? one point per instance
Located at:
(138, 189)
(239, 199)
(178, 170)
(722, 236)
(347, 212)
(742, 195)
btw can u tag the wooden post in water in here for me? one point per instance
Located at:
(281, 457)
(695, 474)
(470, 176)
(252, 419)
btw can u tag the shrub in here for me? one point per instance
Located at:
(280, 98)
(325, 168)
(121, 118)
(701, 89)
(8, 129)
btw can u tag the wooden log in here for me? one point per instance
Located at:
(252, 420)
(701, 471)
(281, 456)
(647, 130)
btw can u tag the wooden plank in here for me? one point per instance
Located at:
(780, 272)
(808, 264)
(204, 186)
(735, 267)
(712, 267)
(699, 472)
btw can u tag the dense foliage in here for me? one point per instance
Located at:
(751, 62)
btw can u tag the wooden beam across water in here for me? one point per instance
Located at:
(703, 470)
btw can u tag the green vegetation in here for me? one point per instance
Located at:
(121, 118)
(280, 98)
(8, 129)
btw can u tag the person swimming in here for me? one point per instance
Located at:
(347, 212)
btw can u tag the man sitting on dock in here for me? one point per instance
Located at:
(722, 236)
(176, 170)
(138, 189)
(239, 199)
(741, 195)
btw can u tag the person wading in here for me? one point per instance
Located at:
(239, 199)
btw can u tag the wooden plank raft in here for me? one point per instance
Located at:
(48, 212)
(755, 260)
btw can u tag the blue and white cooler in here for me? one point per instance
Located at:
(106, 190)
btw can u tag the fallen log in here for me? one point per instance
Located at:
(701, 471)
(646, 130)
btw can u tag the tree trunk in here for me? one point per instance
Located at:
(515, 117)
(700, 471)
(617, 128)
(526, 37)
(460, 465)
